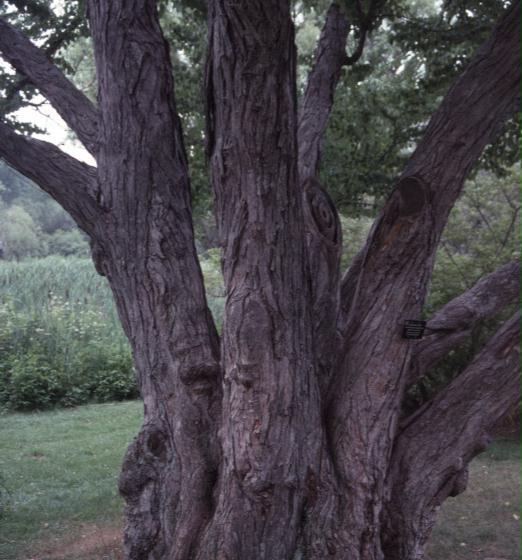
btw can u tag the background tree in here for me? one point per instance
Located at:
(283, 437)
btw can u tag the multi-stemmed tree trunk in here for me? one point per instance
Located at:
(281, 439)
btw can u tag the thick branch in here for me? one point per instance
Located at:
(70, 182)
(432, 452)
(388, 281)
(485, 96)
(147, 250)
(70, 103)
(270, 390)
(318, 99)
(453, 324)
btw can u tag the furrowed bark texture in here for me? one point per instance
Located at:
(272, 431)
(388, 280)
(71, 183)
(72, 105)
(324, 243)
(145, 246)
(318, 99)
(281, 441)
(435, 446)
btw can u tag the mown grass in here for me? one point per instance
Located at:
(61, 470)
(484, 522)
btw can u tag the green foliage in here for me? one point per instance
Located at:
(61, 342)
(62, 357)
(483, 232)
(60, 338)
(32, 224)
(19, 235)
(67, 243)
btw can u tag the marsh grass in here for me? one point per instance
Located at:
(61, 342)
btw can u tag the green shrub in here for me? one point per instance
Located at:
(61, 342)
(32, 383)
(67, 243)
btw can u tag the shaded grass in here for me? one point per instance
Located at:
(61, 469)
(484, 522)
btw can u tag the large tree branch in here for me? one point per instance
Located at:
(70, 103)
(330, 57)
(71, 183)
(453, 324)
(474, 110)
(435, 445)
(318, 99)
(388, 281)
(322, 221)
(148, 252)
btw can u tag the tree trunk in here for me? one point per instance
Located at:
(271, 432)
(145, 247)
(282, 439)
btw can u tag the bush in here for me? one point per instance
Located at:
(61, 342)
(32, 383)
(67, 243)
(63, 347)
(19, 235)
(36, 374)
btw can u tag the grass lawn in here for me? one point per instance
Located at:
(484, 522)
(60, 469)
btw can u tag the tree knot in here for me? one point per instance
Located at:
(320, 211)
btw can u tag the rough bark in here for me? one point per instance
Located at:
(324, 243)
(272, 432)
(318, 98)
(434, 447)
(235, 458)
(454, 323)
(145, 246)
(388, 280)
(71, 183)
(70, 103)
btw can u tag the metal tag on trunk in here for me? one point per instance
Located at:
(413, 329)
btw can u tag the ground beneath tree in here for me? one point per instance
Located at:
(481, 524)
(87, 541)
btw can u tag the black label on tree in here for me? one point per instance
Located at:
(413, 329)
